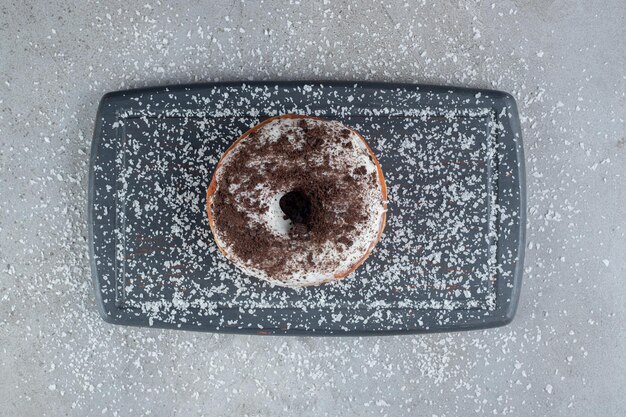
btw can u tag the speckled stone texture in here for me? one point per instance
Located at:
(563, 354)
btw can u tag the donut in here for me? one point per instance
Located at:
(297, 201)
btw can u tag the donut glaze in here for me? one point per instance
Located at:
(297, 201)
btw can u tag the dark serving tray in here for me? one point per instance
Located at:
(451, 256)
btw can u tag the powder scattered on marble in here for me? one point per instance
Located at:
(50, 331)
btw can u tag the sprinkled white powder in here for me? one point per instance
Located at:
(51, 335)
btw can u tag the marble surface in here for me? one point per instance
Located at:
(562, 355)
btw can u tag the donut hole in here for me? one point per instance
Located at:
(296, 206)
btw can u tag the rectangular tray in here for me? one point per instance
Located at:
(451, 256)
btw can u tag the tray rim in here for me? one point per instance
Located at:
(489, 321)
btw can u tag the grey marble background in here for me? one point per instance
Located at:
(564, 61)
